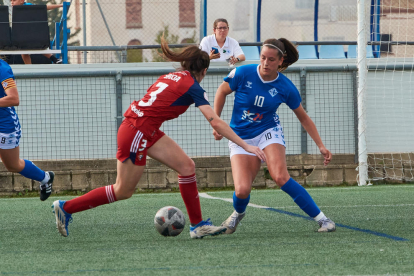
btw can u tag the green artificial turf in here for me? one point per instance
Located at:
(374, 236)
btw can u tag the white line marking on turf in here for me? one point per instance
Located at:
(205, 195)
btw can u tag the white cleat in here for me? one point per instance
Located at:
(232, 222)
(205, 228)
(326, 225)
(62, 217)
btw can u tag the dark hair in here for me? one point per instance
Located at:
(220, 20)
(285, 49)
(191, 58)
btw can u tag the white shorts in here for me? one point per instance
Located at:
(271, 136)
(10, 140)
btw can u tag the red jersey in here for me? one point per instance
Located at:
(169, 97)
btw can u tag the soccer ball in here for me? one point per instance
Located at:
(169, 221)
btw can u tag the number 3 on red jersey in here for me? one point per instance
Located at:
(161, 86)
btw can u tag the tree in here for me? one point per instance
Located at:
(171, 39)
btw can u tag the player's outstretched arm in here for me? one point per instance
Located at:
(310, 127)
(11, 98)
(219, 101)
(221, 127)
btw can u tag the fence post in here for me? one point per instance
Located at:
(57, 38)
(85, 53)
(203, 19)
(118, 81)
(355, 99)
(304, 134)
(66, 32)
(124, 54)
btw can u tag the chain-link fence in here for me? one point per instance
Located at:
(76, 114)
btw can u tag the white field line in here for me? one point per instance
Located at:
(205, 195)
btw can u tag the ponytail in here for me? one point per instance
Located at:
(191, 58)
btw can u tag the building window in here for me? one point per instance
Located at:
(187, 14)
(134, 55)
(133, 14)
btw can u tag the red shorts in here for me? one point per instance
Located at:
(133, 144)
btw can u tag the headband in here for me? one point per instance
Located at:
(273, 46)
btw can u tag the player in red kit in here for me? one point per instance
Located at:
(139, 135)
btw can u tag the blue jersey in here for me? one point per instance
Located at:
(9, 122)
(256, 101)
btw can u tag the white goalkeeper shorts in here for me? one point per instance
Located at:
(270, 136)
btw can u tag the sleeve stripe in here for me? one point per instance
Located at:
(8, 83)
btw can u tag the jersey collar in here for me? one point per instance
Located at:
(226, 42)
(260, 77)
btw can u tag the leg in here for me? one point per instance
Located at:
(128, 175)
(169, 153)
(13, 163)
(53, 58)
(127, 178)
(276, 160)
(11, 160)
(27, 59)
(244, 170)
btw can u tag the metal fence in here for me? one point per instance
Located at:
(75, 115)
(142, 22)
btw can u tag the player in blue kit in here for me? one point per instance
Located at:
(10, 133)
(259, 90)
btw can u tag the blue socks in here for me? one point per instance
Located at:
(240, 204)
(301, 197)
(31, 171)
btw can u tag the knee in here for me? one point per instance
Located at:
(281, 179)
(242, 193)
(188, 168)
(14, 168)
(122, 193)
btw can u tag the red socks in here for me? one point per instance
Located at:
(105, 195)
(94, 198)
(189, 193)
